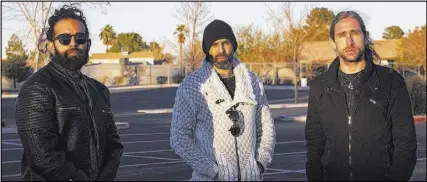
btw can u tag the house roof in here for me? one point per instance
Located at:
(122, 55)
(323, 52)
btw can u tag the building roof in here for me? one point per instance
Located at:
(122, 55)
(323, 52)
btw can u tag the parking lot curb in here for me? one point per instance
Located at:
(12, 129)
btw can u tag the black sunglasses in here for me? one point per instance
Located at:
(234, 115)
(65, 39)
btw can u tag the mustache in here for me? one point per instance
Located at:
(222, 55)
(351, 48)
(76, 49)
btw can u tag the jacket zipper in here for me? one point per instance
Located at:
(238, 161)
(349, 127)
(349, 146)
(94, 125)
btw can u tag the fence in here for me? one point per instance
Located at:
(270, 73)
(117, 75)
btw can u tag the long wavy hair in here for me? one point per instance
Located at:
(370, 53)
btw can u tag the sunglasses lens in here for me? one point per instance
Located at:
(81, 38)
(64, 39)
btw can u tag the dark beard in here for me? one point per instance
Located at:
(73, 63)
(225, 65)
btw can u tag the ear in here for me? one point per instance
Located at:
(50, 47)
(89, 43)
(333, 44)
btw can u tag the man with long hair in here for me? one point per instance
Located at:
(359, 120)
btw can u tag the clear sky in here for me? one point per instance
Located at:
(155, 21)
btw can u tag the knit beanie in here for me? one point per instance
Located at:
(217, 30)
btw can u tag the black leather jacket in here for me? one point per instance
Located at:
(376, 142)
(66, 127)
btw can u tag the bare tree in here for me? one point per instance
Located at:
(35, 16)
(194, 15)
(291, 27)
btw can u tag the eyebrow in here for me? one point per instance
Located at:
(352, 30)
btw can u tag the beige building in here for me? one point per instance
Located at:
(146, 58)
(322, 52)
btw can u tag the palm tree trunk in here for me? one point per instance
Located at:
(14, 82)
(180, 59)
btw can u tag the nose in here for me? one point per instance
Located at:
(349, 40)
(73, 42)
(221, 49)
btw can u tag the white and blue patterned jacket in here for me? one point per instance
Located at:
(199, 128)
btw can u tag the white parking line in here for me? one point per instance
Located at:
(144, 134)
(14, 144)
(290, 153)
(285, 171)
(12, 149)
(145, 141)
(12, 175)
(148, 164)
(421, 159)
(10, 162)
(277, 170)
(149, 157)
(288, 142)
(146, 152)
(11, 140)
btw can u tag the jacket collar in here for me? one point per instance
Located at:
(73, 75)
(332, 74)
(244, 90)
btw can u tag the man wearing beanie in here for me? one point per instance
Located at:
(221, 123)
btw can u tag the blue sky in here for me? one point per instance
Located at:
(155, 21)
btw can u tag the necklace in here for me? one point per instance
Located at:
(350, 86)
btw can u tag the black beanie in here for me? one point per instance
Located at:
(217, 30)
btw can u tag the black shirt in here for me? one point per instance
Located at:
(345, 80)
(230, 84)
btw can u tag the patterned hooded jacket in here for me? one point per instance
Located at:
(199, 127)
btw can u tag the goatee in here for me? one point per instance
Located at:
(224, 65)
(359, 57)
(72, 63)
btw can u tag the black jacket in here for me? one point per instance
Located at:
(65, 136)
(379, 144)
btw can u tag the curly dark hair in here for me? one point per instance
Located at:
(66, 11)
(370, 52)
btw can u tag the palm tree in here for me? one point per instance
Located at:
(107, 36)
(182, 31)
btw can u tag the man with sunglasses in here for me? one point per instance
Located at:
(221, 123)
(64, 118)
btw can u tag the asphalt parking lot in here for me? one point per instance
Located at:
(148, 155)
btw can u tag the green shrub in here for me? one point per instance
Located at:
(417, 92)
(177, 78)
